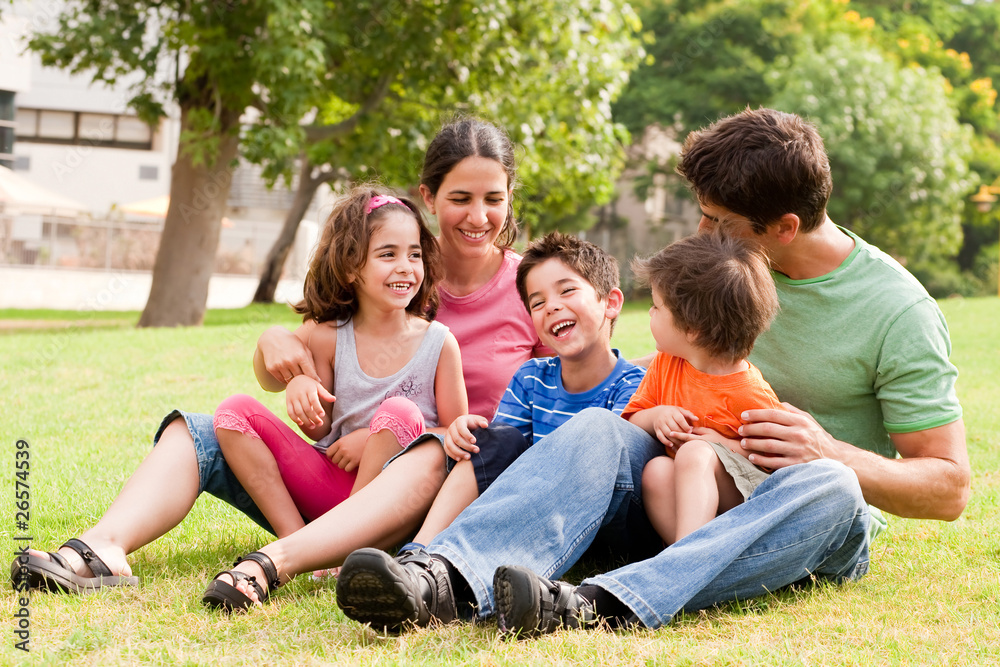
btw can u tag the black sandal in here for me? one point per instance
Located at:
(229, 598)
(55, 574)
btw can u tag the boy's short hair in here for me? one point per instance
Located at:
(718, 287)
(593, 264)
(760, 164)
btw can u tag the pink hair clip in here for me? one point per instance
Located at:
(382, 200)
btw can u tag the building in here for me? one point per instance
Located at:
(631, 224)
(80, 141)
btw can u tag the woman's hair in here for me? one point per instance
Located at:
(342, 251)
(471, 137)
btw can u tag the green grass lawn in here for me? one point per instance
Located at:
(88, 390)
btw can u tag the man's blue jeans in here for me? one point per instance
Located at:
(547, 508)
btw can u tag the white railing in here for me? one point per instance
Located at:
(129, 245)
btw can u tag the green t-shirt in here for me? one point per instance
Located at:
(864, 349)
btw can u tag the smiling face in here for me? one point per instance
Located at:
(566, 312)
(471, 206)
(394, 265)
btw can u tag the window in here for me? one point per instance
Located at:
(27, 122)
(7, 125)
(78, 127)
(57, 124)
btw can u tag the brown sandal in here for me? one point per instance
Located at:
(55, 574)
(229, 598)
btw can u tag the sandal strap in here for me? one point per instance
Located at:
(93, 561)
(266, 564)
(240, 576)
(561, 604)
(60, 560)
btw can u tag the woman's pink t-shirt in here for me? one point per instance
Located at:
(494, 333)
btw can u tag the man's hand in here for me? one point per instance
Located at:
(777, 439)
(303, 398)
(459, 441)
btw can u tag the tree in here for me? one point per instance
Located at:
(958, 37)
(897, 151)
(336, 62)
(711, 59)
(214, 60)
(569, 60)
(897, 146)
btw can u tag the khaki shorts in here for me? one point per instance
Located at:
(746, 475)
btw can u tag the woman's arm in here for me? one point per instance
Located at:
(281, 355)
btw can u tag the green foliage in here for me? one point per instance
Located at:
(711, 59)
(375, 78)
(897, 152)
(887, 92)
(570, 60)
(959, 38)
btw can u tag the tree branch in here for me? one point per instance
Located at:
(320, 132)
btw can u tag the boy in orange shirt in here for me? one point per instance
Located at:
(712, 297)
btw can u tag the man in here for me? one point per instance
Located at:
(858, 351)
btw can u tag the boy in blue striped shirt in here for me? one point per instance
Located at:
(570, 288)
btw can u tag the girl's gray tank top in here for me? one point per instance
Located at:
(359, 395)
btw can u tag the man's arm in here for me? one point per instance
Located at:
(930, 481)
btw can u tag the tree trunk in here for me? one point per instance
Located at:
(185, 259)
(278, 254)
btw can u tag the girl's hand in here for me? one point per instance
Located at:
(302, 400)
(670, 418)
(459, 441)
(346, 452)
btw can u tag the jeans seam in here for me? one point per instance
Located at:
(587, 531)
(789, 545)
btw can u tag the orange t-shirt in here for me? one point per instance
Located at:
(717, 400)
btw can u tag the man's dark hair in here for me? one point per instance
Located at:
(760, 164)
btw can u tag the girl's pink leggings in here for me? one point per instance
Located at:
(315, 483)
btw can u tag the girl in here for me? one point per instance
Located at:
(371, 293)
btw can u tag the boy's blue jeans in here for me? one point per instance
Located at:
(547, 508)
